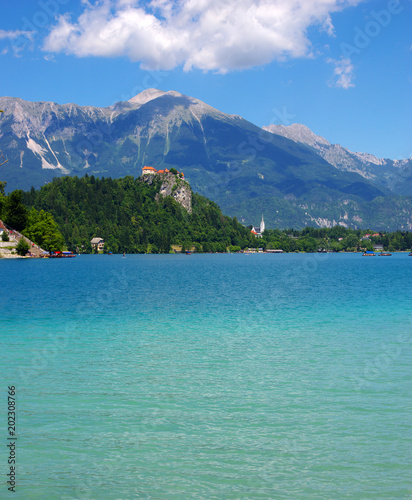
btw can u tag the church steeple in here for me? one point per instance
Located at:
(262, 225)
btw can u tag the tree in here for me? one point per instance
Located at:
(15, 211)
(367, 245)
(186, 246)
(2, 196)
(43, 230)
(351, 242)
(22, 247)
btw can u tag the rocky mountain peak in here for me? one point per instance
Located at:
(298, 133)
(194, 107)
(146, 96)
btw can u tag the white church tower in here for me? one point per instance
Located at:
(262, 225)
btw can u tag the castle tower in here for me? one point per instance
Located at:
(262, 225)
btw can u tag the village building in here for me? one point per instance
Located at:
(97, 243)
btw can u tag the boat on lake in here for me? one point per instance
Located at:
(68, 254)
(60, 255)
(368, 253)
(384, 254)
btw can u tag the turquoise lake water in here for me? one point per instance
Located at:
(208, 376)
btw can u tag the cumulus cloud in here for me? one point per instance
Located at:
(217, 35)
(343, 73)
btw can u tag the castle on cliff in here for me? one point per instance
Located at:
(153, 171)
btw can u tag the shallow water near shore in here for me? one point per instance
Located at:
(209, 376)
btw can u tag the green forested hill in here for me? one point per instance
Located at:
(125, 213)
(131, 216)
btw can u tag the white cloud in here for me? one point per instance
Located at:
(12, 35)
(343, 73)
(218, 35)
(18, 40)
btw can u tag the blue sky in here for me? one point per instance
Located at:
(341, 67)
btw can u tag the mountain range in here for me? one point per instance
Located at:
(394, 175)
(287, 173)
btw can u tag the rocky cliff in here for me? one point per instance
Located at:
(172, 185)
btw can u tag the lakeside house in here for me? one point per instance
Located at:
(97, 243)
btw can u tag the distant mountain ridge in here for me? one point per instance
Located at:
(245, 169)
(395, 175)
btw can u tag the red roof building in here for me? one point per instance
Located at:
(149, 170)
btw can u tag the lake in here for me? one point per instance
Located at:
(208, 376)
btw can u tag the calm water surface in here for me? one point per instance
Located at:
(209, 376)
